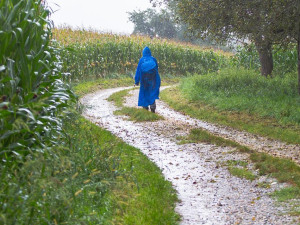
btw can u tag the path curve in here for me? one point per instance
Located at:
(208, 193)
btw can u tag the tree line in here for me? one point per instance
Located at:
(164, 24)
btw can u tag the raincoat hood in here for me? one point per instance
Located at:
(146, 52)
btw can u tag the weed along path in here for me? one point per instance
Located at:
(207, 191)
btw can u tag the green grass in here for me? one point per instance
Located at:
(148, 198)
(139, 194)
(264, 184)
(241, 173)
(93, 177)
(287, 194)
(243, 90)
(134, 114)
(239, 169)
(201, 135)
(236, 163)
(138, 115)
(284, 170)
(118, 98)
(172, 80)
(252, 123)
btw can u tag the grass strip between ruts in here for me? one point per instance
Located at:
(134, 114)
(284, 170)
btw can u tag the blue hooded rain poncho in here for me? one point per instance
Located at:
(149, 85)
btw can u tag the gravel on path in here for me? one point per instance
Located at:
(208, 193)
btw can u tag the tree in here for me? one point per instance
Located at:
(225, 19)
(264, 22)
(141, 21)
(297, 30)
(289, 15)
(151, 23)
(163, 24)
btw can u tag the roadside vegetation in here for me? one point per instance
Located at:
(241, 90)
(241, 173)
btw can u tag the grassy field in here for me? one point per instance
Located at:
(241, 90)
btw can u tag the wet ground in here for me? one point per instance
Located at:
(208, 193)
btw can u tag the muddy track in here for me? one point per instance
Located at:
(208, 193)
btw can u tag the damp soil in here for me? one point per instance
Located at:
(207, 192)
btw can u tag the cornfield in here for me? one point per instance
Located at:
(89, 54)
(32, 94)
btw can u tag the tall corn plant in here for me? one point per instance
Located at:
(32, 94)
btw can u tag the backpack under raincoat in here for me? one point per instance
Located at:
(149, 79)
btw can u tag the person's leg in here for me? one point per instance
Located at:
(153, 107)
(147, 108)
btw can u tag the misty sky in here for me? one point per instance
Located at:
(104, 15)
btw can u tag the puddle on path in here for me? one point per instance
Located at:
(208, 193)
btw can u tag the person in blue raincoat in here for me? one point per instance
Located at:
(147, 76)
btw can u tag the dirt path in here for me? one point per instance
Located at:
(208, 193)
